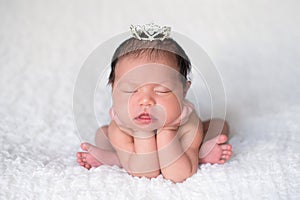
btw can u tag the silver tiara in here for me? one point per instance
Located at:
(150, 32)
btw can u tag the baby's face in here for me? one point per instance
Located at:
(147, 95)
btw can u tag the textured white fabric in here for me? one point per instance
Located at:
(44, 43)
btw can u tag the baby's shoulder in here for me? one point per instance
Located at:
(193, 122)
(117, 134)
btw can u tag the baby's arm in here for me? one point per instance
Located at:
(138, 156)
(179, 152)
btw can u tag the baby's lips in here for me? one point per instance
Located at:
(144, 115)
(145, 118)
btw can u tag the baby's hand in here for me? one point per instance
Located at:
(169, 129)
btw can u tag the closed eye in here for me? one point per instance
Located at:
(126, 87)
(129, 91)
(157, 91)
(162, 90)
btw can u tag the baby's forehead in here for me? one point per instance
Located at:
(129, 62)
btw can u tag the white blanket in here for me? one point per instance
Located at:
(42, 48)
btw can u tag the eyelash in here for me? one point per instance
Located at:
(134, 91)
(156, 91)
(163, 92)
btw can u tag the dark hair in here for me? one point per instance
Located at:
(135, 47)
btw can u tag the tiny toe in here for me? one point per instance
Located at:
(229, 146)
(221, 161)
(225, 147)
(84, 146)
(225, 157)
(225, 152)
(87, 166)
(222, 139)
(79, 155)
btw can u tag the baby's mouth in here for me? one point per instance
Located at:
(144, 118)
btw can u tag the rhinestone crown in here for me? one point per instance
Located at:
(150, 32)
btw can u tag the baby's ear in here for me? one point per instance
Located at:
(186, 87)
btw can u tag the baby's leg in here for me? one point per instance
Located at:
(102, 153)
(214, 148)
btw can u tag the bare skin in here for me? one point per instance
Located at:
(214, 149)
(94, 156)
(218, 150)
(171, 147)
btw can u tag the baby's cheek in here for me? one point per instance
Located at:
(133, 109)
(173, 111)
(121, 105)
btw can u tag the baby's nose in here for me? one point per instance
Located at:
(147, 100)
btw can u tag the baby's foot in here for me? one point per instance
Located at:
(86, 159)
(215, 151)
